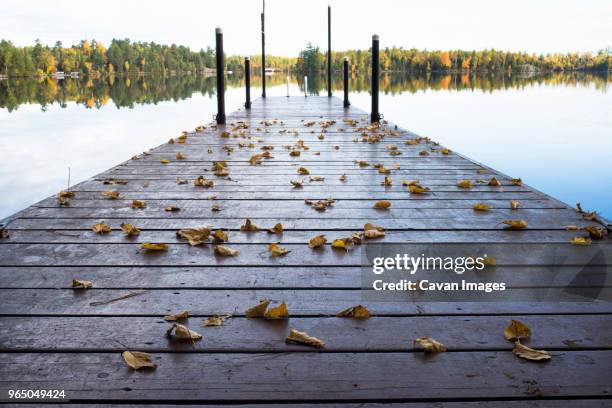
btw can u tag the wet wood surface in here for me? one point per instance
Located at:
(55, 337)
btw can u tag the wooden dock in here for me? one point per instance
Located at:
(55, 337)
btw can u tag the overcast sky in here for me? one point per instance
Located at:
(518, 25)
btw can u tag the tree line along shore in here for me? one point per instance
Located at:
(124, 57)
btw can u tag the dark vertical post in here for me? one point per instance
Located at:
(329, 56)
(220, 77)
(375, 116)
(247, 82)
(346, 82)
(263, 51)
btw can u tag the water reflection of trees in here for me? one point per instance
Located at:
(128, 92)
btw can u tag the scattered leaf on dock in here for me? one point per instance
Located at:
(296, 336)
(138, 360)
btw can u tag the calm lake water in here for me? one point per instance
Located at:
(555, 132)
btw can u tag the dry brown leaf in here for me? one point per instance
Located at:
(581, 241)
(177, 316)
(4, 233)
(180, 156)
(101, 228)
(343, 243)
(317, 178)
(423, 153)
(172, 208)
(418, 189)
(181, 181)
(387, 182)
(343, 178)
(303, 171)
(357, 312)
(64, 197)
(294, 153)
(296, 336)
(111, 195)
(494, 182)
(297, 183)
(258, 310)
(215, 208)
(276, 250)
(249, 226)
(276, 229)
(278, 312)
(138, 360)
(382, 204)
(129, 230)
(373, 233)
(517, 330)
(514, 205)
(214, 321)
(464, 184)
(370, 226)
(221, 236)
(528, 353)
(225, 251)
(200, 181)
(81, 284)
(481, 207)
(362, 163)
(195, 236)
(516, 181)
(596, 232)
(430, 345)
(317, 241)
(151, 246)
(515, 224)
(138, 204)
(183, 333)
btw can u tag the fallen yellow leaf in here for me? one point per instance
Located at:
(317, 241)
(81, 284)
(276, 250)
(482, 207)
(200, 181)
(382, 204)
(464, 184)
(258, 310)
(195, 236)
(225, 251)
(528, 353)
(430, 345)
(177, 316)
(278, 312)
(517, 330)
(216, 320)
(581, 241)
(494, 182)
(514, 205)
(179, 156)
(101, 228)
(111, 195)
(515, 224)
(276, 229)
(183, 333)
(249, 226)
(150, 246)
(129, 229)
(299, 337)
(138, 204)
(357, 312)
(164, 161)
(221, 236)
(138, 360)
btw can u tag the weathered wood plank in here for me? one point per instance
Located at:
(266, 277)
(299, 255)
(304, 376)
(300, 303)
(340, 334)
